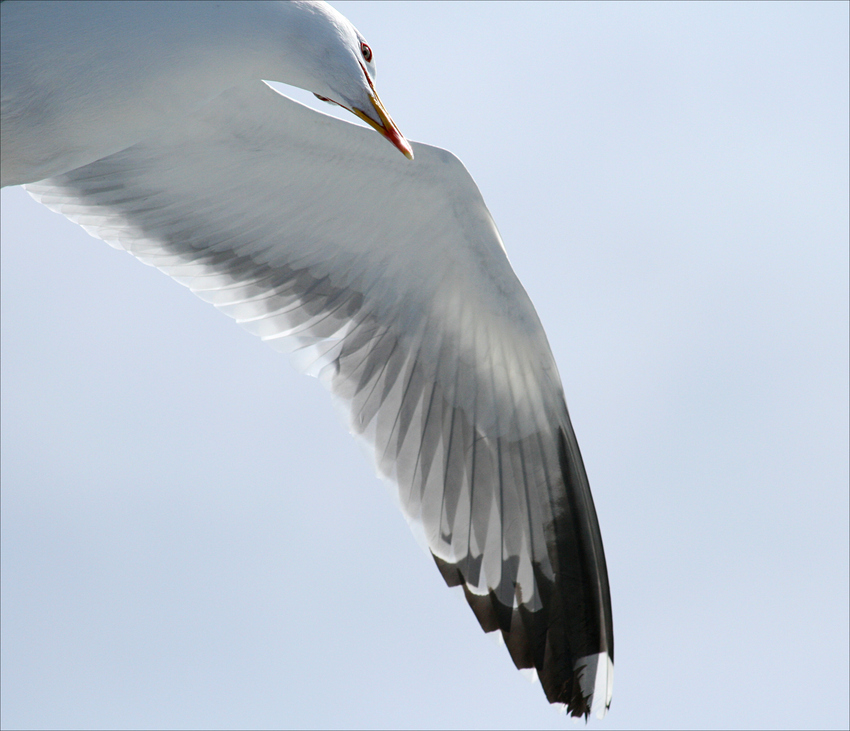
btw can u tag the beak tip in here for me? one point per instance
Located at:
(397, 140)
(386, 127)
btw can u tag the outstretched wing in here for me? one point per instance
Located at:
(388, 280)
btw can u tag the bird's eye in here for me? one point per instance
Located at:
(366, 51)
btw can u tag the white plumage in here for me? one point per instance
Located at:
(386, 278)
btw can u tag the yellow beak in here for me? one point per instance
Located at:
(386, 126)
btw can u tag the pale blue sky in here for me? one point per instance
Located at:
(191, 539)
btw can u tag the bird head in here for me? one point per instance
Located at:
(341, 68)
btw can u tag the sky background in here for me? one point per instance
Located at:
(191, 539)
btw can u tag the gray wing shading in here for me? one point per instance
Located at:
(388, 280)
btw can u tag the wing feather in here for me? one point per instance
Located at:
(389, 281)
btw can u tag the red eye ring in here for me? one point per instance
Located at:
(366, 51)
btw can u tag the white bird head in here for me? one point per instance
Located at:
(338, 66)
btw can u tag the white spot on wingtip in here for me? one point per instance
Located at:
(603, 686)
(530, 674)
(496, 636)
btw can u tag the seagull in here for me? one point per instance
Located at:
(376, 266)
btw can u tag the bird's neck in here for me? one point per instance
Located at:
(85, 79)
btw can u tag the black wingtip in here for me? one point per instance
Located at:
(571, 634)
